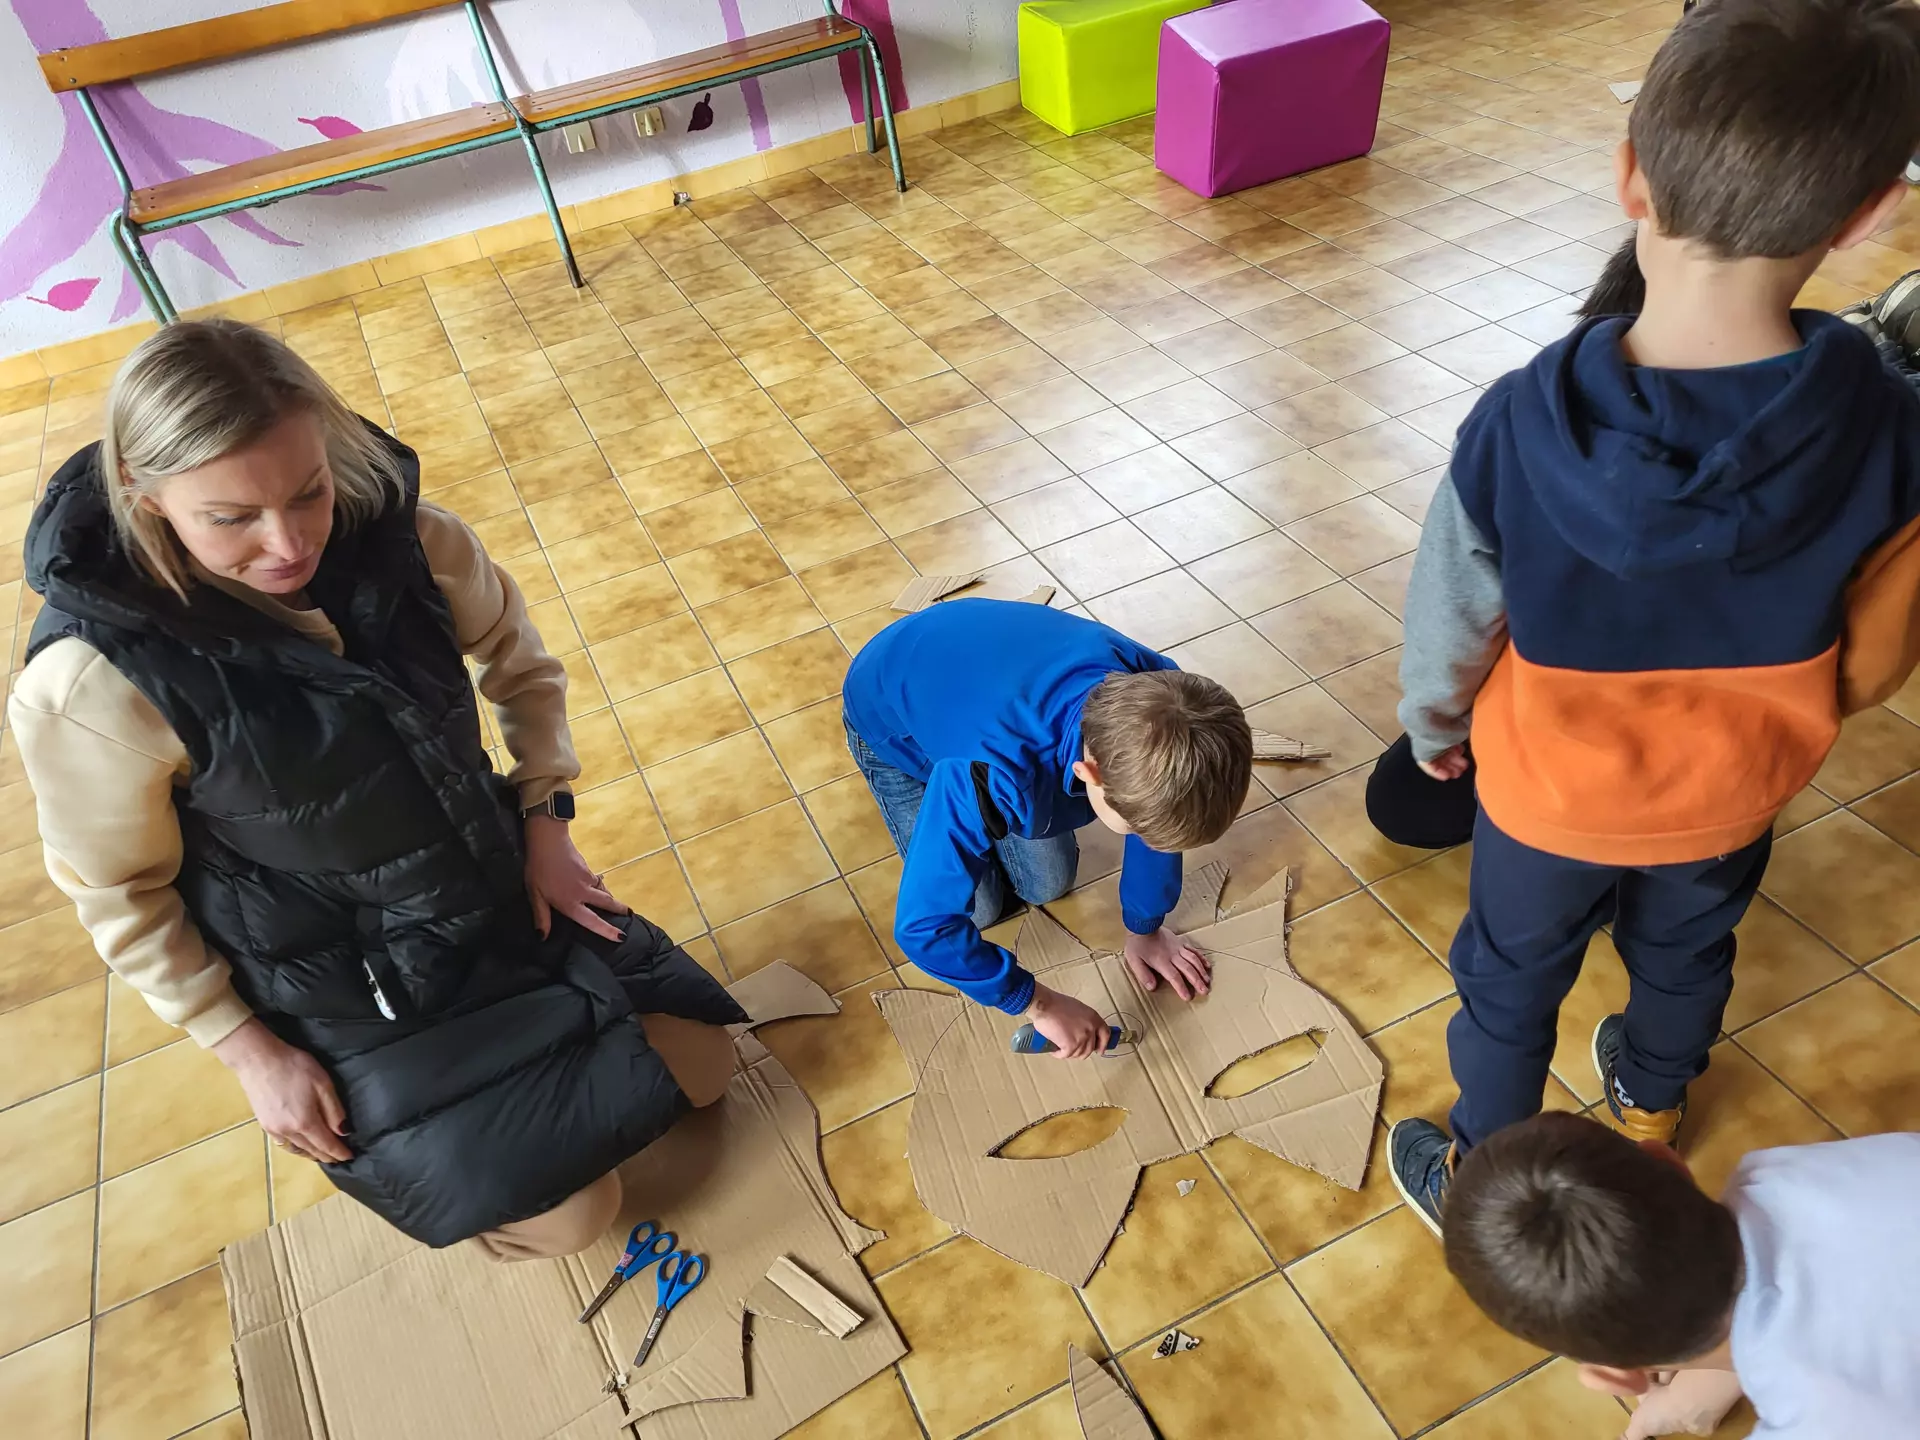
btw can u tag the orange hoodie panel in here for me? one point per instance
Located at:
(1649, 767)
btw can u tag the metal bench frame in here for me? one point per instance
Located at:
(127, 232)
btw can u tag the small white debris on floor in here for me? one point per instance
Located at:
(1185, 1187)
(1173, 1342)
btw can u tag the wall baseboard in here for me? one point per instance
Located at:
(108, 346)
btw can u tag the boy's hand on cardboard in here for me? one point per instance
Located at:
(1164, 955)
(1692, 1402)
(1075, 1027)
(1449, 764)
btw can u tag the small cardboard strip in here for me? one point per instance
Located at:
(1268, 746)
(834, 1315)
(923, 590)
(1105, 1410)
(775, 991)
(1059, 1214)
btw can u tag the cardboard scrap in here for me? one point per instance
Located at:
(344, 1329)
(1101, 1403)
(923, 590)
(1185, 1187)
(1059, 1214)
(1268, 746)
(836, 1317)
(1625, 90)
(1173, 1342)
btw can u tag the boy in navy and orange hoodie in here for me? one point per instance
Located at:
(1669, 556)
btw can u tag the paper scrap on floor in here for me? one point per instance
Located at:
(1173, 1342)
(1625, 91)
(925, 590)
(1059, 1214)
(347, 1330)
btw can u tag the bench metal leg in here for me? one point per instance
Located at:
(553, 210)
(127, 241)
(866, 98)
(886, 115)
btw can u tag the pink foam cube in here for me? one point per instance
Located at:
(1253, 90)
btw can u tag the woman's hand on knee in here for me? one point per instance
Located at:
(559, 881)
(291, 1093)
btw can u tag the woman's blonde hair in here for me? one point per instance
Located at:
(200, 389)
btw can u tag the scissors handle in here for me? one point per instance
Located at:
(678, 1274)
(658, 1245)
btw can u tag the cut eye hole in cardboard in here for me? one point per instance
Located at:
(1067, 1134)
(984, 1141)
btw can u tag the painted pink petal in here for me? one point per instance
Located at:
(70, 295)
(331, 126)
(877, 16)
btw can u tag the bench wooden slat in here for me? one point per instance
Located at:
(132, 56)
(717, 64)
(324, 161)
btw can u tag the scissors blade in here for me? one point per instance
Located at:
(606, 1294)
(653, 1334)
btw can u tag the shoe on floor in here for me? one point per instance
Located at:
(1420, 1154)
(1635, 1123)
(1896, 311)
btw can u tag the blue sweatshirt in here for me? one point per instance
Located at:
(999, 685)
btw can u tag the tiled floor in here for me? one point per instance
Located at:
(1214, 424)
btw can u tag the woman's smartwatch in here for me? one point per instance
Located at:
(559, 805)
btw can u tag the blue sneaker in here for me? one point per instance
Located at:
(1634, 1122)
(1420, 1155)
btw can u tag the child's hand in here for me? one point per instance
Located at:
(1076, 1028)
(1693, 1402)
(1449, 764)
(1163, 955)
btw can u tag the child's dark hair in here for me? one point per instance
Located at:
(1763, 125)
(1621, 288)
(1572, 1237)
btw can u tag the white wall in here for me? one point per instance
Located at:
(56, 191)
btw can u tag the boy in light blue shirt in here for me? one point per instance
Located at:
(1800, 1289)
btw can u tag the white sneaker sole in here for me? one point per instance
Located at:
(1419, 1210)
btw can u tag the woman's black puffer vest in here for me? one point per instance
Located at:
(350, 850)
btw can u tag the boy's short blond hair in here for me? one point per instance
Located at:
(1175, 755)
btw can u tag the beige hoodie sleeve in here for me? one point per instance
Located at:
(103, 763)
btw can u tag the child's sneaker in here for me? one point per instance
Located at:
(1420, 1155)
(1896, 310)
(1634, 1123)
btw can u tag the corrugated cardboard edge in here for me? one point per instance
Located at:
(836, 1317)
(923, 590)
(775, 991)
(1269, 746)
(1104, 1409)
(271, 1360)
(713, 1368)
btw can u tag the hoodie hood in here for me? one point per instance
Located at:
(1644, 470)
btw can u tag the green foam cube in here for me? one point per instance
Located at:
(1088, 63)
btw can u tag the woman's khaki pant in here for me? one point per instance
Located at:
(700, 1058)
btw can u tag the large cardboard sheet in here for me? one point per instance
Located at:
(344, 1329)
(1058, 1215)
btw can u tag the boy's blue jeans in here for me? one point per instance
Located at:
(1519, 950)
(1035, 870)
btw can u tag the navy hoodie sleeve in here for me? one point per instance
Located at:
(1149, 886)
(933, 917)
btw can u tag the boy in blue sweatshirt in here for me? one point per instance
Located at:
(1668, 557)
(991, 730)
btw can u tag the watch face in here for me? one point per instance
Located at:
(562, 805)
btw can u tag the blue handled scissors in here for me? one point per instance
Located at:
(677, 1276)
(645, 1245)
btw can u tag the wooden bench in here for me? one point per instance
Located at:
(280, 176)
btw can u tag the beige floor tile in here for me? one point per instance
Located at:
(1901, 971)
(1293, 1209)
(1052, 1417)
(1382, 1293)
(43, 1388)
(970, 1363)
(49, 1147)
(820, 932)
(294, 1183)
(1307, 712)
(1737, 1107)
(757, 618)
(51, 1042)
(848, 1063)
(877, 1410)
(1431, 898)
(1360, 957)
(1779, 962)
(1355, 534)
(717, 784)
(670, 720)
(655, 887)
(1262, 1341)
(1240, 658)
(1875, 748)
(1335, 811)
(171, 1217)
(1163, 610)
(25, 890)
(46, 1274)
(1104, 559)
(1846, 1051)
(1853, 886)
(164, 1363)
(175, 1096)
(1329, 629)
(1175, 1254)
(791, 675)
(46, 954)
(751, 863)
(849, 822)
(867, 1163)
(1550, 1401)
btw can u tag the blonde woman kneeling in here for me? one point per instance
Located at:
(247, 720)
